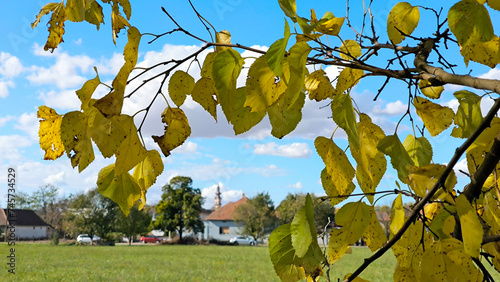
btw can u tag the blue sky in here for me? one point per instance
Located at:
(251, 163)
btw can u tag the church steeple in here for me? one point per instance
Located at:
(217, 204)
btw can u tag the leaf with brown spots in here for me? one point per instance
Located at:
(176, 131)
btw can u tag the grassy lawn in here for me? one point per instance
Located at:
(42, 262)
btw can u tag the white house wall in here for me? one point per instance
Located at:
(212, 229)
(31, 232)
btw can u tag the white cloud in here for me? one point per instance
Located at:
(38, 51)
(4, 88)
(11, 148)
(294, 150)
(10, 66)
(393, 109)
(453, 104)
(186, 148)
(55, 179)
(29, 124)
(461, 165)
(297, 185)
(491, 74)
(78, 42)
(63, 99)
(65, 73)
(227, 195)
(5, 119)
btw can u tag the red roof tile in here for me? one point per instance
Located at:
(226, 212)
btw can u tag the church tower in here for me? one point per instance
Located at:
(217, 204)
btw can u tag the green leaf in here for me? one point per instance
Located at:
(76, 140)
(397, 215)
(302, 228)
(287, 265)
(371, 163)
(244, 119)
(275, 55)
(337, 164)
(348, 77)
(333, 191)
(374, 235)
(391, 146)
(131, 150)
(350, 49)
(468, 116)
(108, 134)
(204, 93)
(289, 8)
(262, 87)
(50, 133)
(446, 260)
(472, 230)
(285, 119)
(419, 150)
(94, 15)
(75, 10)
(436, 118)
(226, 69)
(120, 188)
(318, 85)
(297, 62)
(469, 20)
(176, 131)
(180, 84)
(354, 219)
(344, 116)
(403, 18)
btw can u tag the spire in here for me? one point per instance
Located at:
(217, 204)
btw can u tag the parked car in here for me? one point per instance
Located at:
(240, 240)
(150, 239)
(85, 238)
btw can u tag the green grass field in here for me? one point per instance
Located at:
(43, 262)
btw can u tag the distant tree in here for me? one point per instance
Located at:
(180, 207)
(256, 216)
(93, 214)
(323, 211)
(137, 222)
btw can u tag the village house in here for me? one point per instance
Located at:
(27, 224)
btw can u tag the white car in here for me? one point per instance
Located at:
(85, 238)
(240, 240)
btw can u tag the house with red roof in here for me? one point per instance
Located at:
(220, 224)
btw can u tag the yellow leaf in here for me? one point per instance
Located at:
(494, 250)
(263, 88)
(350, 49)
(404, 274)
(433, 92)
(494, 4)
(445, 260)
(120, 188)
(223, 37)
(354, 219)
(371, 163)
(131, 151)
(431, 210)
(46, 9)
(422, 179)
(176, 131)
(337, 164)
(107, 134)
(486, 53)
(419, 150)
(409, 249)
(117, 21)
(146, 172)
(344, 116)
(204, 93)
(391, 146)
(94, 14)
(244, 119)
(50, 133)
(397, 215)
(472, 230)
(333, 191)
(436, 118)
(88, 88)
(180, 84)
(206, 69)
(469, 20)
(468, 116)
(328, 24)
(348, 77)
(75, 10)
(318, 86)
(356, 279)
(127, 8)
(403, 19)
(56, 26)
(374, 235)
(76, 139)
(297, 63)
(111, 104)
